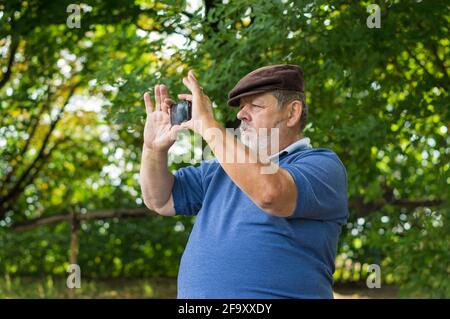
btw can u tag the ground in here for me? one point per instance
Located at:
(48, 287)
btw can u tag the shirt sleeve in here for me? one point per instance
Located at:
(321, 182)
(189, 188)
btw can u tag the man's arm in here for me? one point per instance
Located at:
(159, 135)
(156, 182)
(274, 193)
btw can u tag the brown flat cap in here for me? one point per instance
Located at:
(266, 79)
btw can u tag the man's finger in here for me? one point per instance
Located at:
(188, 84)
(174, 130)
(157, 98)
(187, 125)
(148, 103)
(164, 93)
(167, 103)
(195, 84)
(185, 97)
(192, 75)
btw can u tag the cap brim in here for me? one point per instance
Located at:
(234, 101)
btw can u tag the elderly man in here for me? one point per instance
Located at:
(257, 234)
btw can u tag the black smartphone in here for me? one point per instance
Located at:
(180, 112)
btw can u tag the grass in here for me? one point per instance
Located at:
(51, 287)
(55, 287)
(361, 291)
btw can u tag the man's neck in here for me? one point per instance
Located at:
(285, 143)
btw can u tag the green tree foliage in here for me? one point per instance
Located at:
(108, 249)
(377, 96)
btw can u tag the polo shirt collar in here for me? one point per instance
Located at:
(296, 146)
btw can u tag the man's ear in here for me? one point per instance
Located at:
(295, 112)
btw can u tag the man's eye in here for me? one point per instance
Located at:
(252, 105)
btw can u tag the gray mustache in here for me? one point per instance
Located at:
(245, 126)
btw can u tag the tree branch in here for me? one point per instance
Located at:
(363, 209)
(418, 62)
(8, 205)
(144, 212)
(12, 54)
(440, 63)
(15, 190)
(93, 215)
(170, 27)
(187, 14)
(34, 122)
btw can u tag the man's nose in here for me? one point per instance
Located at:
(243, 114)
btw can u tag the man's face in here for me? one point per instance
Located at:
(259, 112)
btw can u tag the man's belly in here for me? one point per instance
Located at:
(256, 264)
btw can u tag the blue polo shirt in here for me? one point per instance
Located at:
(236, 250)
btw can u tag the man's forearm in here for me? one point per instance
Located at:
(267, 190)
(155, 178)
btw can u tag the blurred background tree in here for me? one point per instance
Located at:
(72, 119)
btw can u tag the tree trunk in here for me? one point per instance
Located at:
(74, 233)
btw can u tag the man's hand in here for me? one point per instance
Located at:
(202, 114)
(159, 134)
